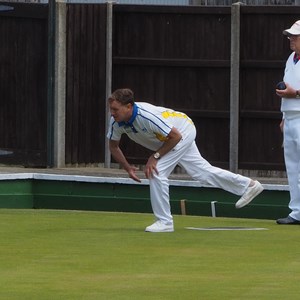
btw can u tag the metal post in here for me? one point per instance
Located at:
(213, 208)
(234, 87)
(109, 25)
(60, 85)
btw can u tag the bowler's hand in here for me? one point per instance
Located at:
(151, 167)
(131, 172)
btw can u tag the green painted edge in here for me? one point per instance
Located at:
(75, 195)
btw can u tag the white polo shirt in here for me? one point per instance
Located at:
(150, 125)
(292, 77)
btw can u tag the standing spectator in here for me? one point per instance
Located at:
(290, 124)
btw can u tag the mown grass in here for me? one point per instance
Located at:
(95, 255)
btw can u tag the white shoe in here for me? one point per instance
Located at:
(250, 194)
(159, 226)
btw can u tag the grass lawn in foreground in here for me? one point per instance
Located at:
(47, 254)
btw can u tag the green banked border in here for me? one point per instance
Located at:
(120, 195)
(16, 194)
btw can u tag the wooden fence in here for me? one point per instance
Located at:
(86, 78)
(182, 60)
(23, 84)
(179, 57)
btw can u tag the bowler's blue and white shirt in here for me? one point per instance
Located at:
(150, 125)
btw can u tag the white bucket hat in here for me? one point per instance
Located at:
(294, 30)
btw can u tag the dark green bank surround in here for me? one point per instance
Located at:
(64, 193)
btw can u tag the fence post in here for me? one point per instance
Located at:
(50, 83)
(60, 85)
(234, 87)
(109, 22)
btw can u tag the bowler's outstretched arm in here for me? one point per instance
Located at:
(118, 155)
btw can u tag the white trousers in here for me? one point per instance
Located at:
(187, 155)
(292, 160)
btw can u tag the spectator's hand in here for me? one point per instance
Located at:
(281, 125)
(289, 92)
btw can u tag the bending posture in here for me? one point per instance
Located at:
(290, 125)
(171, 136)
